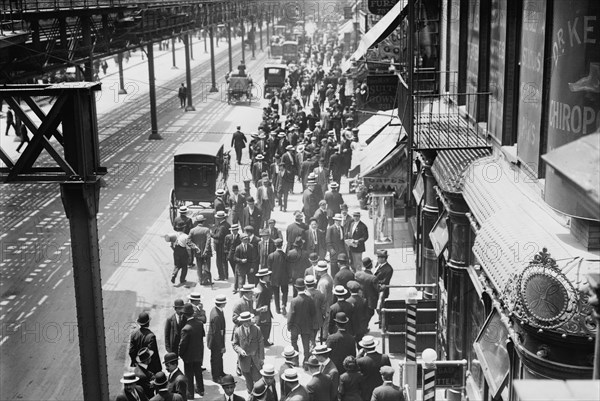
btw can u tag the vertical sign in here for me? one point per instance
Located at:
(530, 83)
(574, 98)
(473, 57)
(454, 22)
(381, 7)
(497, 68)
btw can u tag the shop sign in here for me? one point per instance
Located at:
(530, 83)
(448, 374)
(381, 7)
(382, 91)
(574, 95)
(497, 70)
(391, 181)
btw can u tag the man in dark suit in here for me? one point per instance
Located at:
(289, 171)
(191, 350)
(280, 275)
(237, 203)
(173, 327)
(252, 215)
(361, 311)
(243, 260)
(160, 384)
(322, 175)
(248, 342)
(290, 362)
(334, 201)
(228, 384)
(370, 288)
(383, 272)
(319, 386)
(388, 391)
(264, 294)
(316, 239)
(295, 230)
(238, 142)
(341, 343)
(297, 259)
(131, 390)
(359, 234)
(266, 246)
(219, 232)
(313, 258)
(296, 391)
(215, 338)
(344, 274)
(369, 366)
(268, 379)
(219, 203)
(301, 318)
(310, 201)
(258, 168)
(322, 352)
(144, 338)
(311, 283)
(341, 306)
(177, 380)
(274, 232)
(141, 371)
(232, 240)
(335, 242)
(336, 165)
(321, 216)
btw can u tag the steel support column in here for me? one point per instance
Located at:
(152, 86)
(174, 67)
(229, 49)
(188, 73)
(122, 90)
(243, 41)
(62, 32)
(86, 33)
(429, 215)
(268, 37)
(190, 37)
(212, 61)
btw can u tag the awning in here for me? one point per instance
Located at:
(390, 172)
(346, 27)
(377, 33)
(573, 178)
(368, 157)
(450, 165)
(371, 127)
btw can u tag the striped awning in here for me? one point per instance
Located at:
(450, 165)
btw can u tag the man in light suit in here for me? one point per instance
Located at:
(248, 342)
(388, 391)
(335, 242)
(359, 234)
(237, 203)
(173, 327)
(215, 338)
(316, 239)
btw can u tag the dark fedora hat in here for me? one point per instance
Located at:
(227, 380)
(299, 283)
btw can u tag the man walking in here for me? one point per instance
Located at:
(238, 142)
(341, 343)
(219, 233)
(248, 342)
(335, 242)
(143, 337)
(182, 94)
(264, 294)
(232, 240)
(301, 318)
(200, 236)
(177, 380)
(370, 365)
(359, 234)
(280, 275)
(215, 338)
(10, 121)
(191, 350)
(173, 327)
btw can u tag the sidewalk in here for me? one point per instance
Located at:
(135, 72)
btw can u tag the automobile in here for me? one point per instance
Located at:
(275, 75)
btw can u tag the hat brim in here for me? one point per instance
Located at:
(129, 381)
(270, 374)
(375, 342)
(340, 293)
(341, 321)
(228, 384)
(171, 360)
(150, 352)
(321, 352)
(285, 379)
(296, 353)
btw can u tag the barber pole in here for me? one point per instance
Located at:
(411, 330)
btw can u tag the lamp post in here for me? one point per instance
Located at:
(429, 356)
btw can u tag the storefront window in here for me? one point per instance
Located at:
(476, 310)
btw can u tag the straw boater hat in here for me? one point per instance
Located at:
(263, 272)
(340, 290)
(220, 299)
(220, 192)
(337, 216)
(290, 375)
(268, 370)
(183, 209)
(289, 147)
(195, 296)
(236, 226)
(259, 157)
(245, 317)
(220, 215)
(281, 135)
(309, 280)
(321, 349)
(368, 342)
(334, 185)
(289, 352)
(128, 378)
(200, 218)
(321, 266)
(247, 288)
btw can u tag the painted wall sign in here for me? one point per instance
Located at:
(381, 7)
(497, 68)
(530, 83)
(574, 98)
(382, 91)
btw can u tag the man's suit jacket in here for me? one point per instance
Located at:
(334, 201)
(387, 392)
(219, 204)
(370, 288)
(331, 371)
(336, 166)
(219, 233)
(361, 314)
(297, 260)
(236, 206)
(265, 295)
(144, 337)
(302, 314)
(200, 236)
(126, 396)
(325, 285)
(384, 274)
(319, 388)
(369, 366)
(173, 332)
(178, 383)
(343, 276)
(293, 231)
(241, 306)
(271, 390)
(298, 394)
(320, 306)
(360, 234)
(166, 396)
(322, 220)
(282, 384)
(275, 233)
(348, 309)
(238, 141)
(231, 243)
(290, 166)
(235, 398)
(310, 202)
(265, 199)
(240, 254)
(191, 347)
(335, 241)
(215, 338)
(280, 272)
(266, 246)
(319, 247)
(253, 219)
(322, 178)
(145, 377)
(342, 345)
(253, 344)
